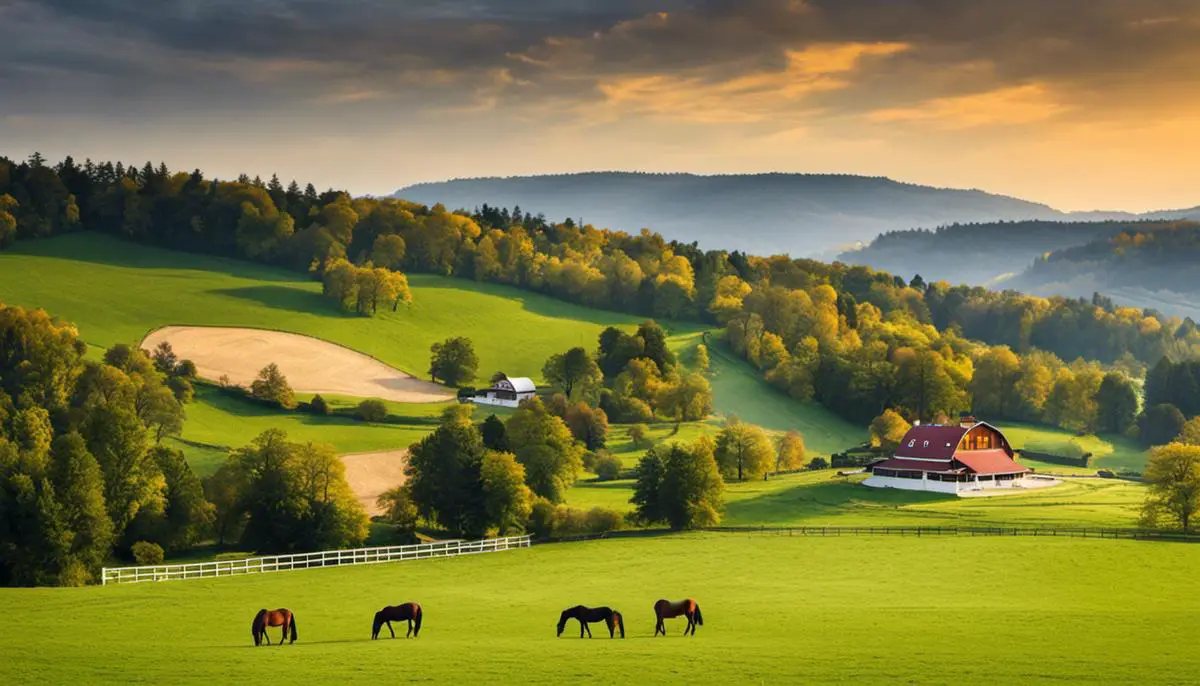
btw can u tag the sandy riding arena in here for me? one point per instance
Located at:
(370, 474)
(310, 364)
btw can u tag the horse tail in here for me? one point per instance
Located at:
(699, 617)
(293, 626)
(620, 622)
(417, 622)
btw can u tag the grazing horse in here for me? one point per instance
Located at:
(281, 618)
(665, 609)
(408, 611)
(609, 616)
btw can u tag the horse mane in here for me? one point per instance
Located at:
(258, 618)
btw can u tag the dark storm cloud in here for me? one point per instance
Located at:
(267, 55)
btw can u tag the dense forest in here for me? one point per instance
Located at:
(1152, 257)
(858, 340)
(979, 254)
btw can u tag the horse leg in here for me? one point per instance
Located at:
(689, 625)
(267, 635)
(409, 634)
(389, 623)
(589, 629)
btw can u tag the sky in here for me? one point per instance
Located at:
(1081, 104)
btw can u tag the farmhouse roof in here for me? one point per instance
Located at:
(522, 384)
(994, 461)
(915, 465)
(931, 441)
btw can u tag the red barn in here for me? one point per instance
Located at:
(969, 456)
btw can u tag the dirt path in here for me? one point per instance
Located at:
(370, 474)
(310, 364)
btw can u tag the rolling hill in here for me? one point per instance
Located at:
(800, 214)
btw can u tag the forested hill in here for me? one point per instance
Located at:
(798, 214)
(979, 254)
(1152, 265)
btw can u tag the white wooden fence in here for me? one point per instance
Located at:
(325, 558)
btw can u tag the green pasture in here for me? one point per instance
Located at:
(117, 292)
(776, 609)
(217, 422)
(1108, 452)
(822, 498)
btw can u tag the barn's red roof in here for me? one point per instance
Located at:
(931, 441)
(915, 465)
(994, 461)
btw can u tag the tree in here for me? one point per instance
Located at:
(743, 451)
(333, 517)
(268, 492)
(272, 386)
(494, 434)
(318, 406)
(445, 479)
(399, 510)
(1117, 403)
(545, 446)
(164, 358)
(1190, 435)
(388, 251)
(687, 400)
(791, 453)
(371, 410)
(507, 500)
(186, 516)
(1160, 424)
(223, 489)
(453, 361)
(887, 430)
(79, 485)
(639, 435)
(679, 485)
(575, 372)
(1173, 478)
(608, 467)
(993, 387)
(588, 424)
(700, 358)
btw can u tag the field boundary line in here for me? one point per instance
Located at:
(323, 558)
(915, 531)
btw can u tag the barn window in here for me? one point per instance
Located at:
(926, 444)
(912, 443)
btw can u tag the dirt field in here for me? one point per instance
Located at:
(370, 474)
(310, 365)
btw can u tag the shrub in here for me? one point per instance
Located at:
(541, 518)
(318, 406)
(639, 435)
(602, 519)
(466, 393)
(818, 463)
(371, 410)
(147, 553)
(608, 467)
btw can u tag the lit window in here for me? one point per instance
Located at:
(926, 444)
(912, 443)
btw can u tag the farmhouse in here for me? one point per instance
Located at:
(970, 456)
(508, 392)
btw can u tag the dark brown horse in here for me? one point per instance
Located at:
(398, 613)
(280, 618)
(585, 615)
(665, 609)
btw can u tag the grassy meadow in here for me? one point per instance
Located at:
(776, 609)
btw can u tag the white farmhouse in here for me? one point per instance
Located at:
(507, 392)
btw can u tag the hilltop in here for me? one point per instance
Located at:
(798, 214)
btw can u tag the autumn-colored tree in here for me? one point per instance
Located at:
(1173, 477)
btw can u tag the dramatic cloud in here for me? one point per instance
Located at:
(371, 94)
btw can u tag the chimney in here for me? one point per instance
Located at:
(967, 420)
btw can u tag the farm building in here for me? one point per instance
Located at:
(507, 391)
(970, 456)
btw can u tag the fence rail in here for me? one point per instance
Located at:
(324, 558)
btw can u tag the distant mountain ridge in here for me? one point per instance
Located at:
(814, 215)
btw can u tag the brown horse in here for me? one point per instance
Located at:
(665, 609)
(408, 611)
(280, 618)
(611, 618)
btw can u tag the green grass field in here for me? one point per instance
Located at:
(776, 609)
(117, 292)
(215, 419)
(1108, 452)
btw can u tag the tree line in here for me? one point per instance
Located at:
(814, 329)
